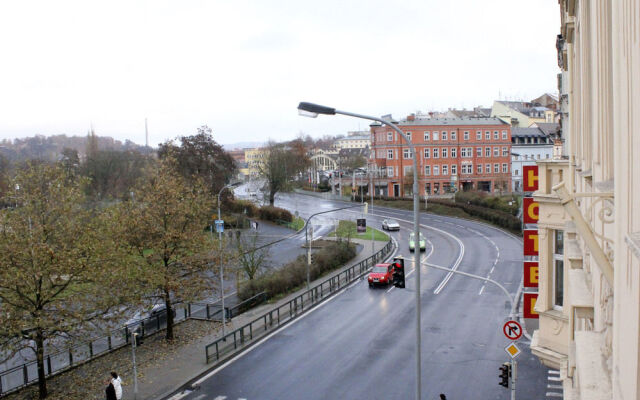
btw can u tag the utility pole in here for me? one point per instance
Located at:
(135, 371)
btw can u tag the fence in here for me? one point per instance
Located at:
(26, 374)
(288, 311)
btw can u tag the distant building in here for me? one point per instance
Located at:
(522, 114)
(255, 159)
(527, 146)
(355, 140)
(453, 154)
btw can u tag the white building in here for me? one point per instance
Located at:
(355, 140)
(528, 145)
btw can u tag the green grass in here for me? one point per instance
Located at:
(297, 223)
(348, 229)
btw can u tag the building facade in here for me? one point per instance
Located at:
(354, 140)
(589, 227)
(453, 154)
(255, 159)
(527, 146)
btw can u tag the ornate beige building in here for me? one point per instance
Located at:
(589, 195)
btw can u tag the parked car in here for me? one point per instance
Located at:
(390, 225)
(412, 242)
(381, 274)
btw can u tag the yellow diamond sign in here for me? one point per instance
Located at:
(512, 350)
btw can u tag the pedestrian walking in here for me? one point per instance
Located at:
(117, 385)
(110, 390)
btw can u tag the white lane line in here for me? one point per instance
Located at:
(455, 265)
(553, 394)
(554, 386)
(555, 379)
(180, 395)
(220, 398)
(554, 372)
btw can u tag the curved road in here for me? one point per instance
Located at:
(361, 343)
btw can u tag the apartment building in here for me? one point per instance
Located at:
(354, 140)
(527, 146)
(589, 226)
(453, 154)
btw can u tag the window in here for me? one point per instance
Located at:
(505, 151)
(479, 168)
(495, 135)
(487, 151)
(444, 152)
(445, 170)
(389, 171)
(478, 151)
(435, 135)
(487, 135)
(408, 136)
(467, 168)
(466, 135)
(389, 154)
(487, 168)
(558, 267)
(453, 152)
(444, 135)
(406, 154)
(427, 170)
(496, 151)
(478, 135)
(389, 136)
(504, 135)
(407, 169)
(453, 135)
(496, 168)
(454, 169)
(436, 170)
(435, 152)
(515, 172)
(427, 136)
(427, 153)
(463, 152)
(505, 168)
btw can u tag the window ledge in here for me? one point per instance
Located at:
(593, 378)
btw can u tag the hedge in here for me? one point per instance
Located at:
(483, 200)
(240, 206)
(294, 274)
(275, 214)
(497, 217)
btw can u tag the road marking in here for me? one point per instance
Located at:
(217, 398)
(554, 372)
(180, 395)
(200, 397)
(554, 386)
(554, 394)
(456, 264)
(555, 379)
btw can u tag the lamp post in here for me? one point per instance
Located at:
(312, 110)
(224, 316)
(135, 370)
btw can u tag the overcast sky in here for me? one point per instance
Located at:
(242, 66)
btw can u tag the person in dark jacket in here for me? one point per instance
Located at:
(110, 391)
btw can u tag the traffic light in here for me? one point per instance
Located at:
(505, 373)
(398, 272)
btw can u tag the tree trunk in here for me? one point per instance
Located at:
(42, 380)
(272, 197)
(167, 302)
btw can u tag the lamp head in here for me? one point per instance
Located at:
(312, 110)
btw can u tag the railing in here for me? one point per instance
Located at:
(26, 374)
(247, 304)
(290, 310)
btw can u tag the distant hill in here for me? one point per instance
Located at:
(242, 145)
(50, 147)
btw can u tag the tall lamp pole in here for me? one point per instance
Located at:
(312, 110)
(224, 316)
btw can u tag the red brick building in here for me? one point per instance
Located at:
(453, 154)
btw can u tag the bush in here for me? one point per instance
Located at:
(483, 200)
(240, 206)
(294, 274)
(497, 217)
(275, 214)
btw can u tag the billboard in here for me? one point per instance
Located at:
(530, 178)
(529, 302)
(530, 211)
(530, 242)
(531, 274)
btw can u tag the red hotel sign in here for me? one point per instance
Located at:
(530, 211)
(529, 302)
(530, 178)
(530, 242)
(530, 274)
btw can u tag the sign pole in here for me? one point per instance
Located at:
(514, 369)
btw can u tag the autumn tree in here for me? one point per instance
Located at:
(113, 173)
(282, 162)
(163, 226)
(200, 157)
(57, 263)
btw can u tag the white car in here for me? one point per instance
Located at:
(390, 225)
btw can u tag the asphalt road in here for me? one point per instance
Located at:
(361, 344)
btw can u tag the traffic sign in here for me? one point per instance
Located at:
(219, 225)
(512, 330)
(512, 350)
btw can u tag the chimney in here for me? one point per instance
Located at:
(557, 149)
(411, 117)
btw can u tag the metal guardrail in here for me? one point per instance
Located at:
(26, 374)
(287, 312)
(247, 304)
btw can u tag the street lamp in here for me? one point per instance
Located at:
(313, 110)
(224, 317)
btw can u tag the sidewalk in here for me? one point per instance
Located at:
(161, 380)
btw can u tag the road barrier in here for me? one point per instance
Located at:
(287, 312)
